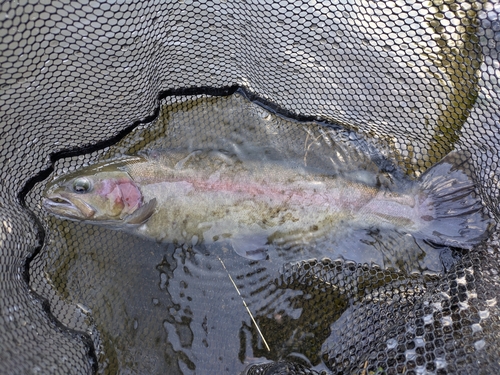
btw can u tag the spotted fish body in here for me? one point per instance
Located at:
(211, 197)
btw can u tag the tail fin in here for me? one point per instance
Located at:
(452, 212)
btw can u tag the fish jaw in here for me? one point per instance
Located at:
(61, 205)
(112, 197)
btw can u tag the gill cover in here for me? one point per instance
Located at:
(101, 193)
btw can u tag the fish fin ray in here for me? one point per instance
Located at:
(250, 246)
(142, 214)
(457, 213)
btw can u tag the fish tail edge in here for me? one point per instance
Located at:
(448, 204)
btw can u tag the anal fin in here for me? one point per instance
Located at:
(252, 246)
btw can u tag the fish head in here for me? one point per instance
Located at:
(97, 195)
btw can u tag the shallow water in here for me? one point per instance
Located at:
(160, 306)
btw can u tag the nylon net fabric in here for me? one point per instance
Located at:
(415, 77)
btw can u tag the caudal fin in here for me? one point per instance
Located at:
(452, 212)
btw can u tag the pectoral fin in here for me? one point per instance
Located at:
(142, 214)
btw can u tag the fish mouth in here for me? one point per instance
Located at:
(65, 207)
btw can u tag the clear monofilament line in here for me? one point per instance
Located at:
(246, 306)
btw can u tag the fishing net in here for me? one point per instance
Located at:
(413, 79)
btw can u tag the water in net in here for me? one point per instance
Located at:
(177, 277)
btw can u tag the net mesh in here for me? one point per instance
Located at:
(416, 77)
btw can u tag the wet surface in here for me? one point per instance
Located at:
(160, 306)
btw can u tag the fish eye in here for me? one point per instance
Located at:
(82, 185)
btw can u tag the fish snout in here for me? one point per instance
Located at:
(67, 207)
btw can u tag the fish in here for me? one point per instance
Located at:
(212, 197)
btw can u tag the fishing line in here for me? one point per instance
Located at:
(246, 306)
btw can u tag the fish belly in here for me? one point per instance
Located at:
(272, 214)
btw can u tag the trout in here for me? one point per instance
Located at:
(212, 197)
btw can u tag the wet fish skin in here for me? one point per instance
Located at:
(213, 197)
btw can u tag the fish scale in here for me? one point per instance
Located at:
(250, 206)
